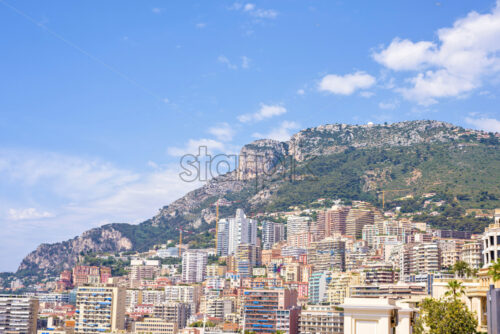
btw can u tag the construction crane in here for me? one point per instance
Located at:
(180, 238)
(388, 191)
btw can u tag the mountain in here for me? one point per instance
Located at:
(351, 162)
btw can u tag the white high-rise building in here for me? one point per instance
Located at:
(297, 225)
(194, 266)
(272, 233)
(235, 231)
(18, 314)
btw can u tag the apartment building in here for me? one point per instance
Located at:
(319, 319)
(173, 312)
(425, 258)
(246, 258)
(338, 289)
(99, 308)
(471, 254)
(368, 234)
(356, 219)
(260, 308)
(155, 326)
(18, 314)
(297, 225)
(194, 266)
(86, 275)
(491, 242)
(318, 284)
(272, 233)
(334, 220)
(235, 231)
(327, 254)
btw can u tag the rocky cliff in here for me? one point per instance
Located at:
(265, 159)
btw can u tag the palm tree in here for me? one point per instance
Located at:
(494, 271)
(460, 268)
(455, 289)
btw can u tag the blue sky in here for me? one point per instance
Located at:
(100, 98)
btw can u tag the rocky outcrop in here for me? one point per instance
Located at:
(260, 158)
(334, 138)
(64, 255)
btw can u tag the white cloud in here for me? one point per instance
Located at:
(405, 55)
(366, 94)
(157, 10)
(224, 60)
(223, 132)
(193, 146)
(347, 84)
(265, 111)
(245, 62)
(201, 25)
(27, 214)
(389, 105)
(252, 10)
(264, 13)
(461, 59)
(76, 194)
(301, 92)
(281, 133)
(486, 124)
(249, 7)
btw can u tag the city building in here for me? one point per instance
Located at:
(297, 225)
(316, 319)
(318, 284)
(18, 314)
(491, 243)
(471, 254)
(235, 231)
(378, 272)
(173, 312)
(368, 234)
(327, 254)
(356, 219)
(260, 308)
(287, 320)
(338, 289)
(334, 220)
(377, 315)
(272, 233)
(246, 258)
(425, 258)
(86, 275)
(99, 308)
(194, 266)
(155, 326)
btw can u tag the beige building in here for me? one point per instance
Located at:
(338, 289)
(376, 315)
(18, 314)
(425, 258)
(319, 319)
(491, 243)
(99, 308)
(471, 254)
(356, 219)
(155, 326)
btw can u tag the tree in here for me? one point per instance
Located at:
(445, 316)
(455, 289)
(461, 268)
(494, 271)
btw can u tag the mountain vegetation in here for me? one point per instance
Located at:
(460, 169)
